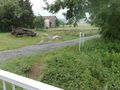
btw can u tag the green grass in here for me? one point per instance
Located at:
(96, 67)
(7, 41)
(68, 33)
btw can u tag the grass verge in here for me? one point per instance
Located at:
(7, 41)
(96, 67)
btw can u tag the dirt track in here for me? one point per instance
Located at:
(33, 49)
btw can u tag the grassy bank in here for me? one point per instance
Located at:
(96, 67)
(7, 41)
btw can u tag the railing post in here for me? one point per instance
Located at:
(4, 85)
(13, 87)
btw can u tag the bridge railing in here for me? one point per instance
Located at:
(23, 82)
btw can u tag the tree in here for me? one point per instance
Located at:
(27, 16)
(57, 21)
(15, 13)
(7, 17)
(39, 22)
(104, 13)
(61, 22)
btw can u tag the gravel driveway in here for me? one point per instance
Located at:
(33, 49)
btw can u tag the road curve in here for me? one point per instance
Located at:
(33, 49)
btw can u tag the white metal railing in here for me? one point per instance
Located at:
(23, 82)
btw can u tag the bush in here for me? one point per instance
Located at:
(39, 22)
(18, 67)
(13, 15)
(7, 18)
(97, 67)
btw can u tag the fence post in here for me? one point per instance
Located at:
(80, 35)
(81, 40)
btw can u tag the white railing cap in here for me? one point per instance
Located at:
(24, 82)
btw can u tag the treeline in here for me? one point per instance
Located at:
(15, 13)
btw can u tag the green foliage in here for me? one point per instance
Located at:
(7, 17)
(61, 22)
(107, 18)
(27, 17)
(96, 67)
(57, 22)
(103, 13)
(21, 68)
(74, 9)
(39, 22)
(7, 41)
(15, 14)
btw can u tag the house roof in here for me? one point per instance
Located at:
(49, 17)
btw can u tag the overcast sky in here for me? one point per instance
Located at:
(37, 8)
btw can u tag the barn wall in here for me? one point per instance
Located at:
(49, 20)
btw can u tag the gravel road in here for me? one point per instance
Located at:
(33, 49)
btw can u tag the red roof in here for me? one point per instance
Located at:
(49, 17)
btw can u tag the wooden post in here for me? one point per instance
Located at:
(83, 38)
(80, 35)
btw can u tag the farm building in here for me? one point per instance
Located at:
(50, 21)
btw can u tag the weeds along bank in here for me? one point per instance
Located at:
(96, 67)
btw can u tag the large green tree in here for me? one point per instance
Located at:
(15, 13)
(8, 15)
(27, 16)
(103, 13)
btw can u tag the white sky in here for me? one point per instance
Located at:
(37, 8)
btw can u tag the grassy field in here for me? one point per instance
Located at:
(70, 32)
(95, 67)
(7, 41)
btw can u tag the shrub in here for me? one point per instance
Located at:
(39, 22)
(96, 67)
